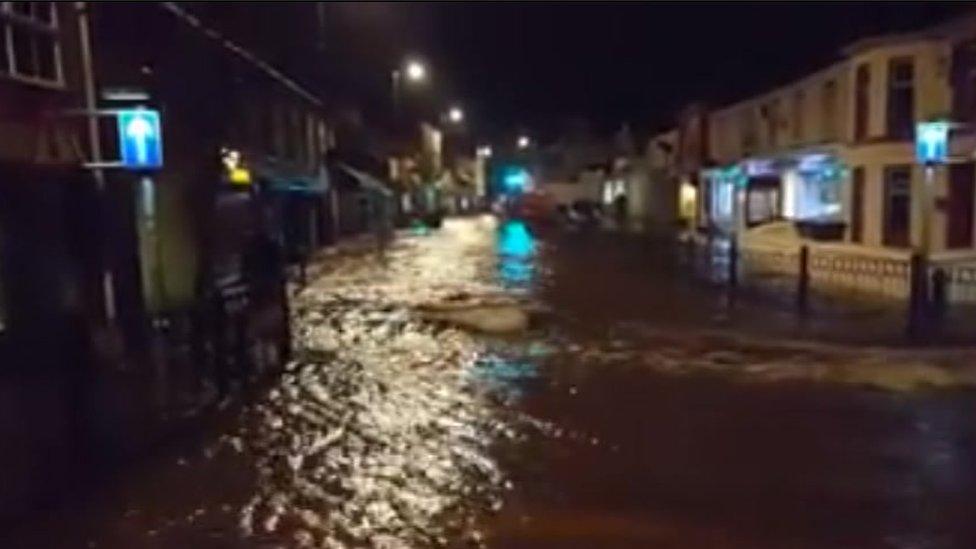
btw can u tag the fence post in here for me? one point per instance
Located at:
(733, 262)
(803, 280)
(917, 294)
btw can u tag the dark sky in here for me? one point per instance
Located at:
(531, 65)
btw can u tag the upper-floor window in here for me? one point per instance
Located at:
(748, 134)
(829, 110)
(901, 97)
(964, 82)
(30, 47)
(770, 114)
(862, 101)
(796, 125)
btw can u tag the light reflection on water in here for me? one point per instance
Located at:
(379, 435)
(505, 376)
(516, 249)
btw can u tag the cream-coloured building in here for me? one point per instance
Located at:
(835, 149)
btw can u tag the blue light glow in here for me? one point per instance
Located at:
(515, 239)
(516, 248)
(140, 139)
(515, 179)
(932, 142)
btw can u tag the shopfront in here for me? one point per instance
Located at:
(812, 189)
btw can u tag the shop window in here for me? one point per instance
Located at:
(901, 98)
(30, 48)
(763, 201)
(862, 104)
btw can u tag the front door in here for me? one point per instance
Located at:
(897, 206)
(959, 229)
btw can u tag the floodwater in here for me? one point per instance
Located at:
(637, 410)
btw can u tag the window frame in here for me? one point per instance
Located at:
(10, 20)
(862, 101)
(895, 86)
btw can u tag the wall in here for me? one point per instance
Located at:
(729, 126)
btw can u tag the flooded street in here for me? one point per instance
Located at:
(482, 386)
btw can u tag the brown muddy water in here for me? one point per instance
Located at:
(637, 410)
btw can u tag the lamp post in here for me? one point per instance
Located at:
(931, 150)
(523, 142)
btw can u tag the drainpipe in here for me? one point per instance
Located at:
(95, 148)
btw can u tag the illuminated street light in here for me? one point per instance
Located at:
(484, 152)
(413, 71)
(455, 115)
(523, 142)
(416, 71)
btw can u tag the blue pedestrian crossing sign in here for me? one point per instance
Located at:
(140, 139)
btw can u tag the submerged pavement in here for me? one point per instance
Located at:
(632, 409)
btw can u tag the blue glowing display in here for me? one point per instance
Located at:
(140, 139)
(515, 179)
(932, 142)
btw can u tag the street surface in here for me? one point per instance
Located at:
(637, 410)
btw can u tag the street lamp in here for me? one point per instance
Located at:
(455, 115)
(415, 72)
(484, 152)
(523, 142)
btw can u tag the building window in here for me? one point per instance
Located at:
(323, 138)
(770, 114)
(829, 110)
(857, 204)
(279, 126)
(796, 126)
(862, 105)
(901, 98)
(311, 147)
(747, 126)
(30, 47)
(897, 206)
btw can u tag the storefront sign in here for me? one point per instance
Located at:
(140, 139)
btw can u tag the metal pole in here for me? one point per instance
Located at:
(803, 280)
(919, 290)
(91, 105)
(395, 90)
(926, 198)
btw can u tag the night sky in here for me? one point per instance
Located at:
(531, 66)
